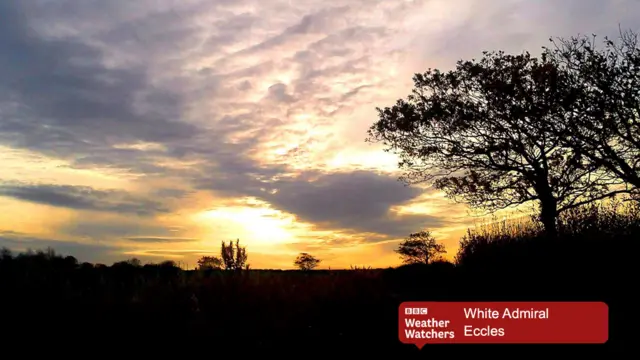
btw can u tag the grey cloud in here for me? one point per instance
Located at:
(520, 26)
(145, 33)
(236, 27)
(239, 177)
(84, 252)
(278, 92)
(171, 193)
(10, 233)
(65, 102)
(59, 97)
(82, 198)
(358, 201)
(315, 23)
(123, 227)
(334, 43)
(319, 22)
(350, 202)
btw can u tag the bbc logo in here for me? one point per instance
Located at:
(415, 311)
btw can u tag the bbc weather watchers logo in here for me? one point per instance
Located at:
(415, 311)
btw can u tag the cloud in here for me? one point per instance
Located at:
(82, 198)
(471, 27)
(116, 227)
(99, 80)
(59, 97)
(359, 201)
(90, 252)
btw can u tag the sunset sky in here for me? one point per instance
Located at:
(158, 128)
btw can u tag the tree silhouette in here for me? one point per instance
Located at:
(134, 262)
(168, 264)
(604, 127)
(5, 253)
(210, 262)
(306, 261)
(482, 134)
(70, 262)
(234, 257)
(420, 248)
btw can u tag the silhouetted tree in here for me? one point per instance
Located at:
(482, 134)
(306, 261)
(209, 262)
(420, 248)
(168, 264)
(49, 253)
(6, 254)
(133, 262)
(71, 262)
(604, 126)
(168, 268)
(234, 256)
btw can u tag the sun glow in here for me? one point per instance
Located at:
(260, 226)
(364, 159)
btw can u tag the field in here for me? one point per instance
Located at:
(45, 295)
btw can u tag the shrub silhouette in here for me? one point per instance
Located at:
(210, 263)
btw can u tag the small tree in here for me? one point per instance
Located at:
(420, 248)
(306, 261)
(209, 262)
(234, 257)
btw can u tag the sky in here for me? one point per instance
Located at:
(157, 129)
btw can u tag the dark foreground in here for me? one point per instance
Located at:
(46, 297)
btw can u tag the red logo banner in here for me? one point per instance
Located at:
(423, 323)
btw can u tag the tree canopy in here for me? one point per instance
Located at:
(485, 134)
(603, 126)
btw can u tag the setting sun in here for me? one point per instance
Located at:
(260, 227)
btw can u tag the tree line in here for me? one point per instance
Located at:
(234, 257)
(417, 248)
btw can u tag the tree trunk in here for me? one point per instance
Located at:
(549, 215)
